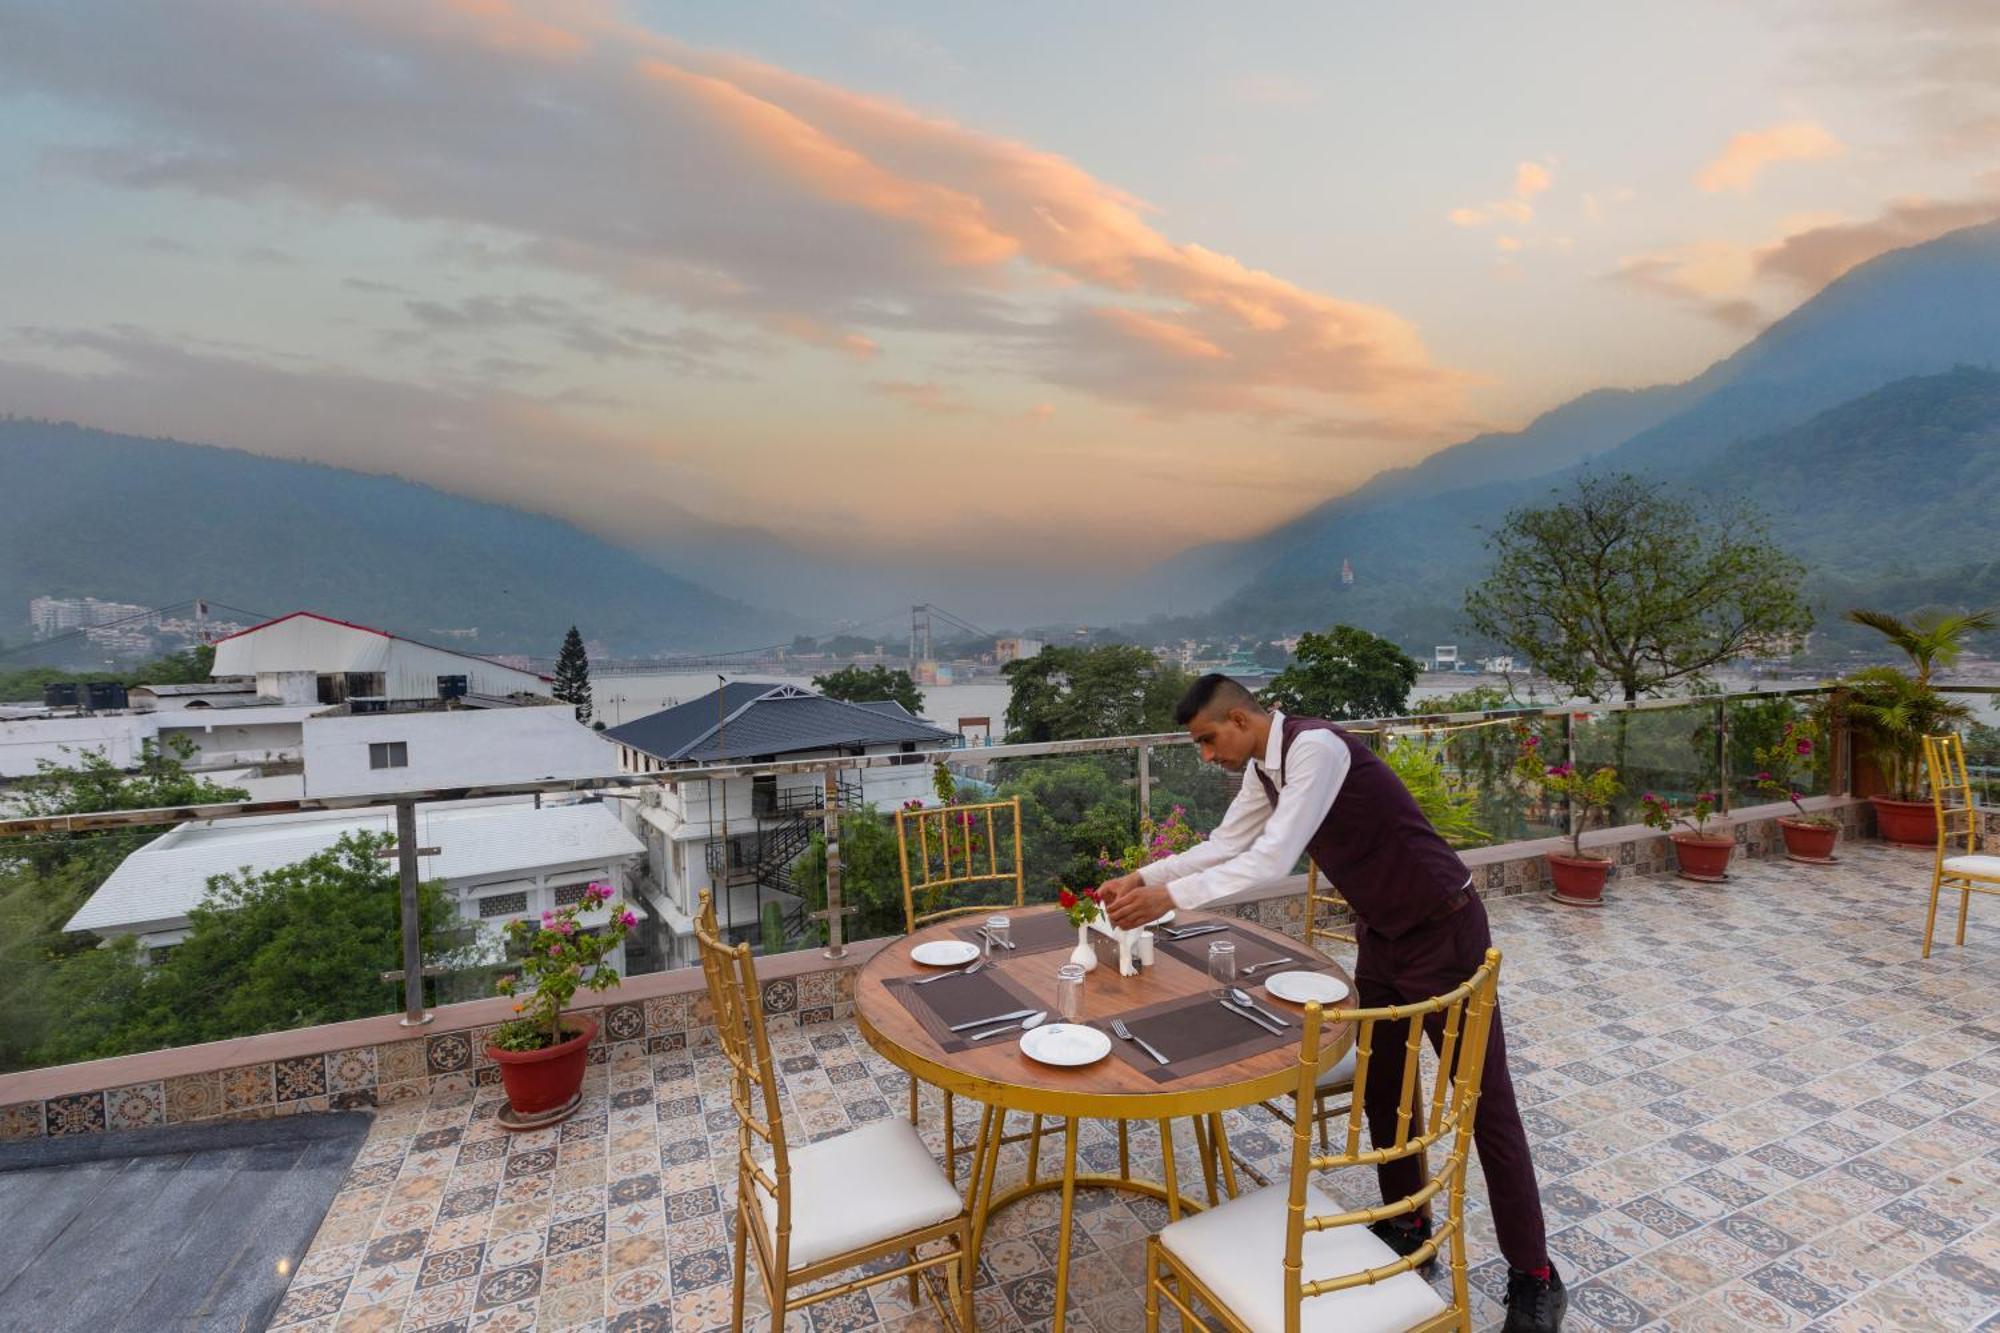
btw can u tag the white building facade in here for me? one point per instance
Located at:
(309, 658)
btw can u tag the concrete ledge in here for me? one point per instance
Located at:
(376, 1061)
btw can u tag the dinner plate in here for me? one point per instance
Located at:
(945, 953)
(1301, 987)
(1066, 1044)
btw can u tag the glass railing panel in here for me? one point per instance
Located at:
(1668, 751)
(1758, 743)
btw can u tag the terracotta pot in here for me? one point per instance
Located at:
(1809, 842)
(1906, 823)
(1579, 879)
(1705, 859)
(540, 1081)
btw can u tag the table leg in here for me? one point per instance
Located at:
(1124, 1150)
(989, 1151)
(1219, 1136)
(1173, 1172)
(1206, 1152)
(1034, 1150)
(1068, 1221)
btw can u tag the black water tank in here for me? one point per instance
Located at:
(104, 695)
(60, 694)
(451, 687)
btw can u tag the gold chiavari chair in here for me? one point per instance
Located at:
(1287, 1260)
(830, 1206)
(1336, 1085)
(956, 847)
(1959, 860)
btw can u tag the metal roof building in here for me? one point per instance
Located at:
(305, 656)
(752, 720)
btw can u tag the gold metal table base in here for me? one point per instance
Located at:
(1211, 1145)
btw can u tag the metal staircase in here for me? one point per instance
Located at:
(786, 822)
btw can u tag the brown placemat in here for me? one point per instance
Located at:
(1031, 934)
(1251, 948)
(1196, 1034)
(959, 999)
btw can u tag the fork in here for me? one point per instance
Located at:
(1268, 962)
(965, 971)
(1126, 1034)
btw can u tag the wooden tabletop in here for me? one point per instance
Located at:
(997, 1073)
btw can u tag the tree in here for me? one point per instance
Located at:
(1272, 655)
(860, 685)
(1930, 641)
(1344, 673)
(1064, 694)
(573, 674)
(1620, 587)
(1073, 808)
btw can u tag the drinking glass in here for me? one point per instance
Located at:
(1069, 992)
(1222, 965)
(997, 927)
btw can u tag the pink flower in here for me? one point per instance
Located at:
(548, 919)
(598, 891)
(1763, 777)
(555, 951)
(566, 927)
(1531, 741)
(1805, 747)
(627, 919)
(1798, 796)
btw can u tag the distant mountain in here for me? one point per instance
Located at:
(1415, 547)
(85, 512)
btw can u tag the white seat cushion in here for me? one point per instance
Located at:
(860, 1188)
(1238, 1252)
(1340, 1076)
(1987, 867)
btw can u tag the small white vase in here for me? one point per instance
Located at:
(1083, 955)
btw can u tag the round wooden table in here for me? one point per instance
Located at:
(996, 1074)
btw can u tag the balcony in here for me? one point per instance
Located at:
(1752, 1105)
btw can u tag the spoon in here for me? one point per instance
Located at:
(1031, 1021)
(965, 971)
(1242, 997)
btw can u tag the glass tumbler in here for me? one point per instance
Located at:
(1222, 965)
(997, 927)
(1069, 992)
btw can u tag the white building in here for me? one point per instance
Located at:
(741, 835)
(308, 658)
(1013, 650)
(179, 698)
(499, 862)
(368, 754)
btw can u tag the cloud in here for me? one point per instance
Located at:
(1936, 60)
(1530, 179)
(1748, 153)
(1815, 256)
(564, 138)
(926, 397)
(1707, 276)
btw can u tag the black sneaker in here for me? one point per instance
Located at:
(1406, 1239)
(1534, 1304)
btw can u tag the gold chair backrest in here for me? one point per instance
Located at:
(1951, 794)
(1447, 1110)
(955, 845)
(1315, 929)
(753, 1085)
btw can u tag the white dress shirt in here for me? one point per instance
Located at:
(1258, 842)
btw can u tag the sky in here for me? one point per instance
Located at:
(1069, 285)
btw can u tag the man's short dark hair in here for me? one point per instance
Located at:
(1214, 693)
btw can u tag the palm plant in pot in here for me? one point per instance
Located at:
(1701, 855)
(1808, 837)
(1894, 711)
(1579, 877)
(542, 1054)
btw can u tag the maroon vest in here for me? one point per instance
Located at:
(1375, 846)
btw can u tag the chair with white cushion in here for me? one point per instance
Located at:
(1959, 860)
(830, 1206)
(1288, 1259)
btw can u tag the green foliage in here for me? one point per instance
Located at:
(1451, 806)
(1892, 713)
(192, 666)
(1659, 812)
(572, 685)
(1929, 641)
(1064, 694)
(558, 957)
(1342, 674)
(1072, 807)
(1779, 765)
(1158, 839)
(1588, 795)
(860, 685)
(1619, 586)
(870, 880)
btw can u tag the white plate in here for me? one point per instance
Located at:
(945, 953)
(1065, 1044)
(1300, 987)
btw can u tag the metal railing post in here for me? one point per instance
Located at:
(1571, 815)
(836, 912)
(414, 1014)
(1145, 781)
(1722, 754)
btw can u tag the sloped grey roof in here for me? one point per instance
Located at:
(762, 719)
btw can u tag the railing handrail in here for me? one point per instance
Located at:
(1411, 724)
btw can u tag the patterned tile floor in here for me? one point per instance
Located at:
(1753, 1107)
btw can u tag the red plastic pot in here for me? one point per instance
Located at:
(1579, 879)
(538, 1082)
(1705, 859)
(1808, 842)
(1907, 823)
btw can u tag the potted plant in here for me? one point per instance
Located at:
(1807, 837)
(1579, 877)
(1894, 711)
(1083, 908)
(1700, 855)
(541, 1056)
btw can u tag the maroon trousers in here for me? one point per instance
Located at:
(1427, 962)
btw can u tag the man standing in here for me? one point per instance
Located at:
(1309, 787)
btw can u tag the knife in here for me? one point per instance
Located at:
(1241, 1012)
(989, 1021)
(1191, 931)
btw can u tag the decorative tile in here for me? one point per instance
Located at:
(624, 1022)
(399, 1061)
(193, 1097)
(448, 1053)
(300, 1078)
(135, 1107)
(347, 1071)
(79, 1114)
(22, 1120)
(248, 1087)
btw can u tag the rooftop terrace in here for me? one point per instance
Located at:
(1753, 1107)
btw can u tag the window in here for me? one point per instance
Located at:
(502, 904)
(570, 893)
(388, 754)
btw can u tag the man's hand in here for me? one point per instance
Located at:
(1129, 901)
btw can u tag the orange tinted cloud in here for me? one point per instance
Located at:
(1748, 153)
